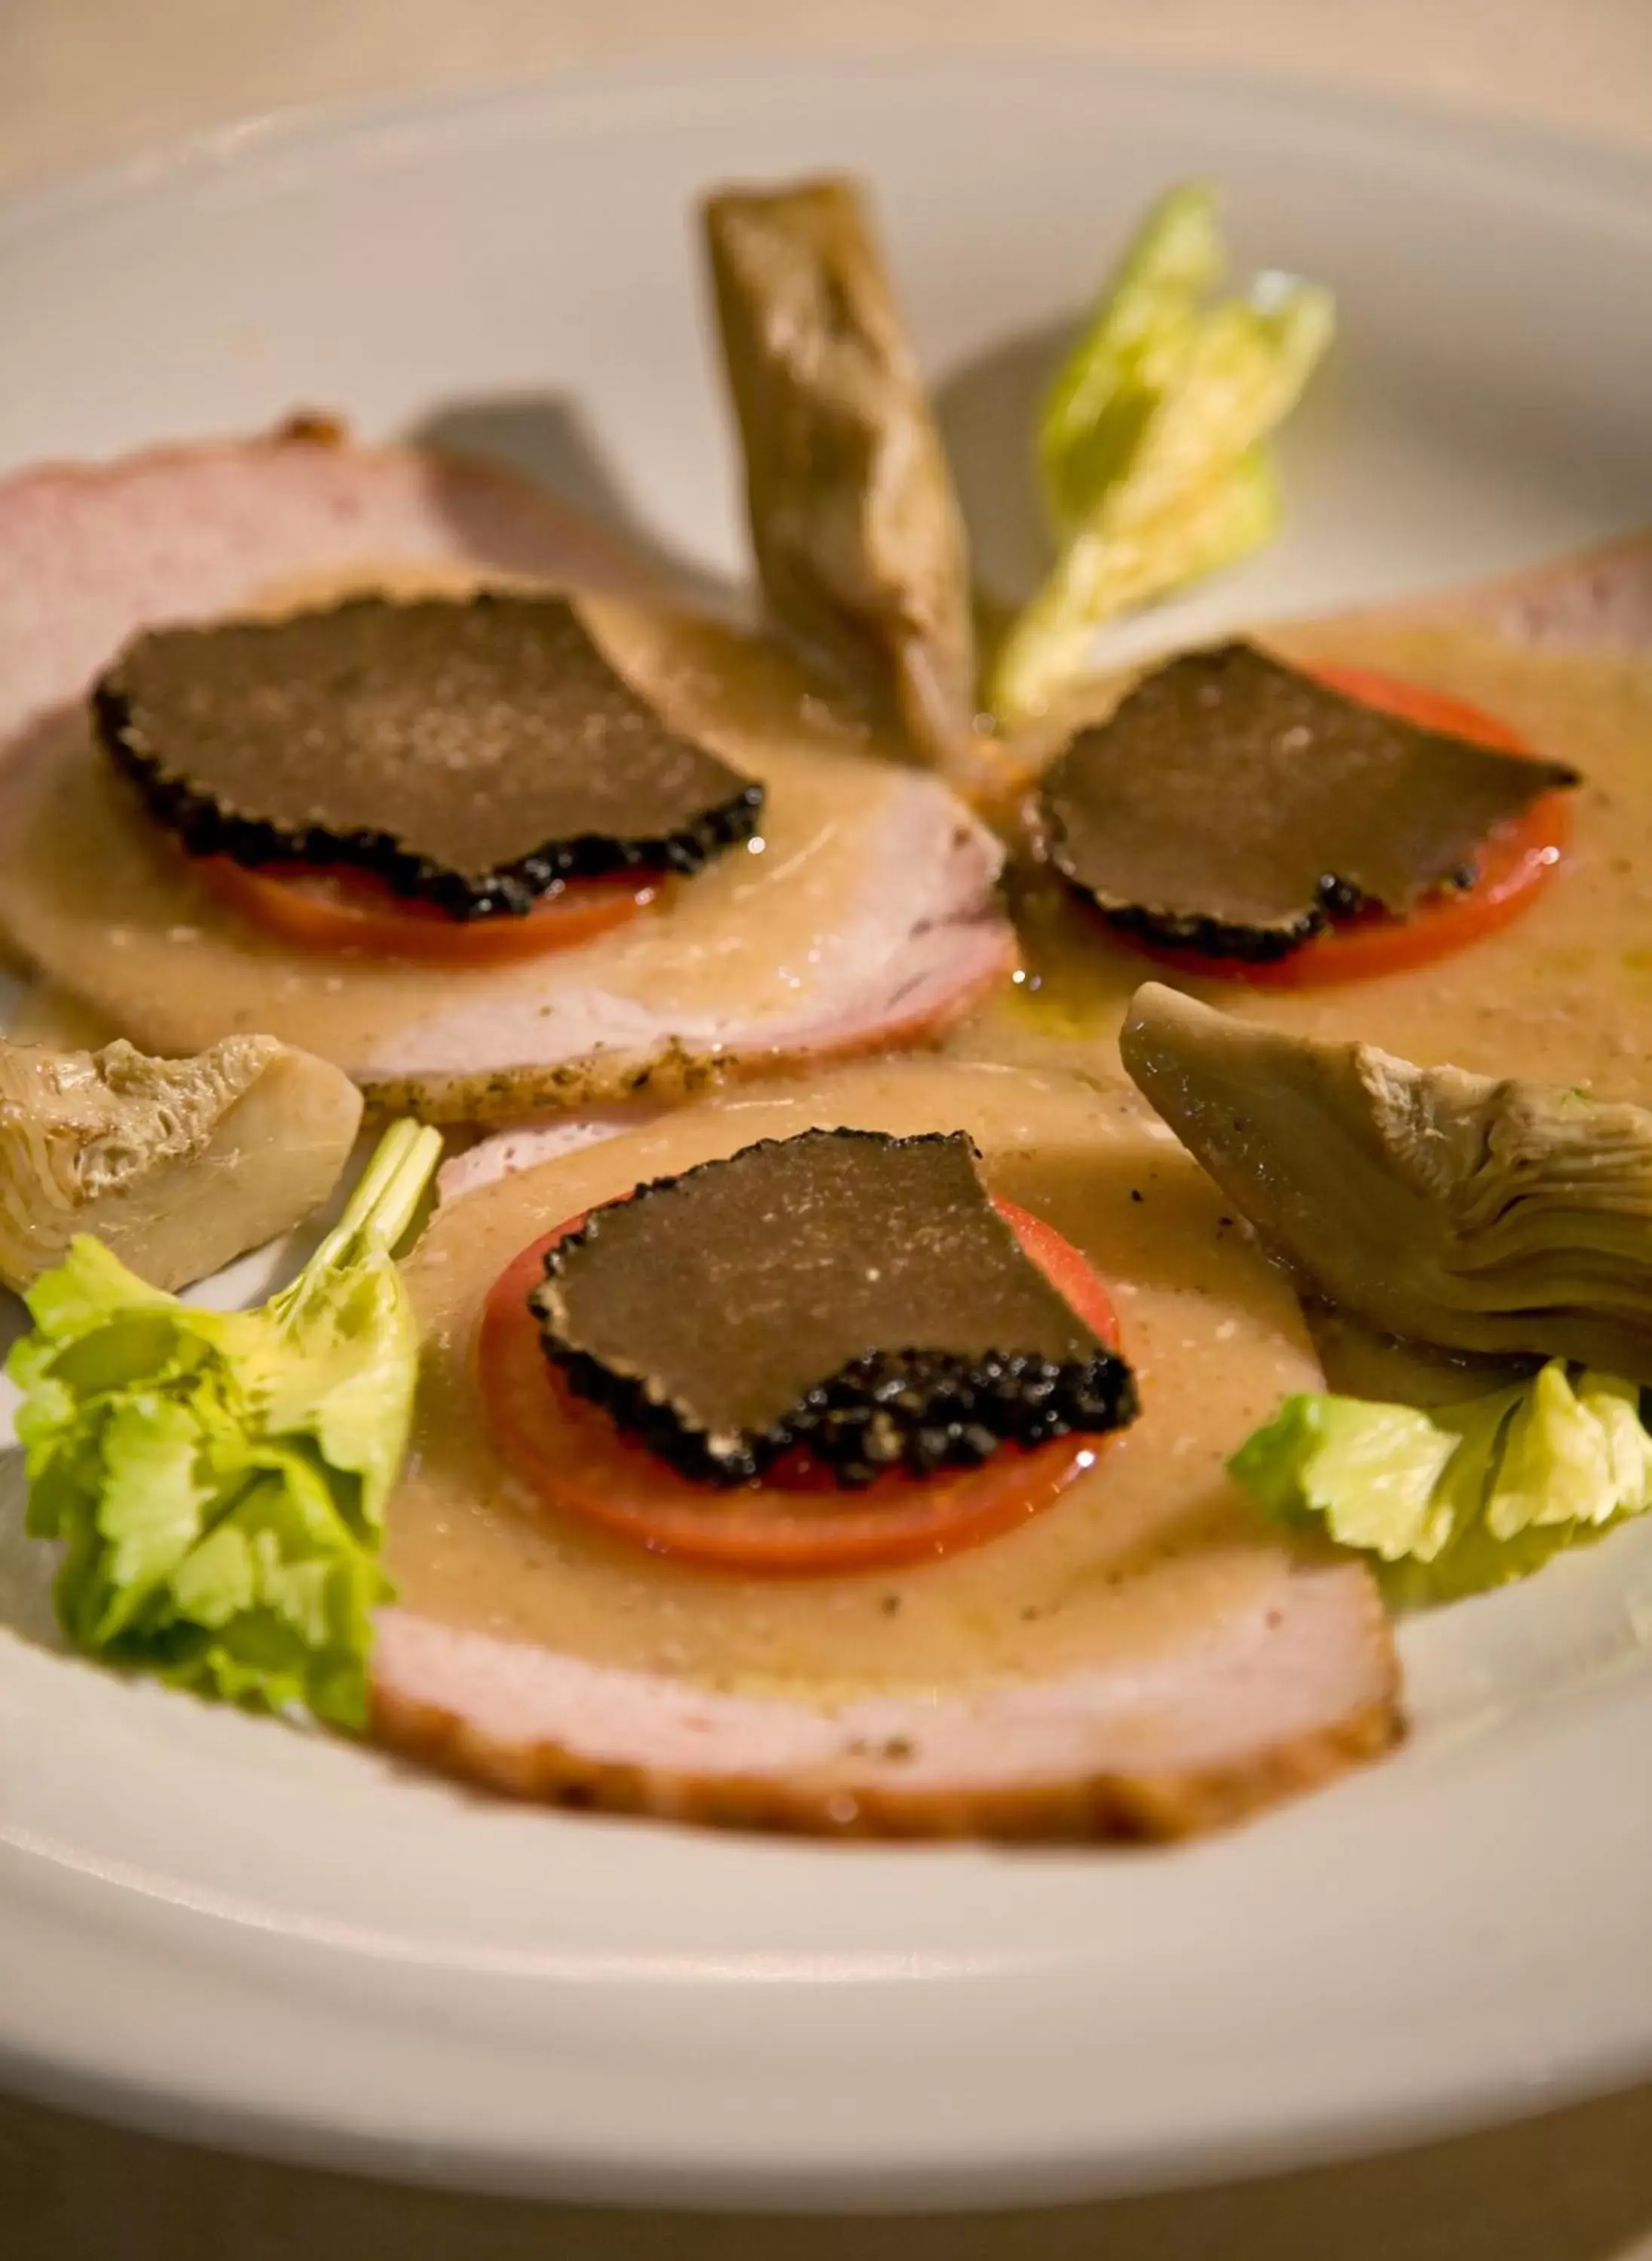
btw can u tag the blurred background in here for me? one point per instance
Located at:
(84, 80)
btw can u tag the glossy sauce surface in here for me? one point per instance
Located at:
(1565, 993)
(1150, 1543)
(100, 894)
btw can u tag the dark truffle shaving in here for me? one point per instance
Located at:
(919, 1411)
(1235, 806)
(476, 753)
(653, 1346)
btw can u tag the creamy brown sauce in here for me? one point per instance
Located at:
(1154, 1541)
(1564, 994)
(99, 895)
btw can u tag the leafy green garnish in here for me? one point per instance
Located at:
(1150, 441)
(218, 1478)
(1466, 1496)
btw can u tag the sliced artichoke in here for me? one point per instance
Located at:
(1456, 1209)
(856, 526)
(176, 1166)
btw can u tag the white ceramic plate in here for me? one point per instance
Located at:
(220, 1926)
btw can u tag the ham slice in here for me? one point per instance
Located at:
(91, 553)
(1190, 1688)
(911, 940)
(526, 1144)
(1295, 1685)
(1591, 601)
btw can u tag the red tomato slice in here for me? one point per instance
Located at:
(796, 1519)
(336, 908)
(1516, 863)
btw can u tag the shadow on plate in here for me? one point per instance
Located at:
(548, 437)
(988, 411)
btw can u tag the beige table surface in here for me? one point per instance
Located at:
(83, 80)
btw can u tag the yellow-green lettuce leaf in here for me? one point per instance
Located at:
(1463, 1497)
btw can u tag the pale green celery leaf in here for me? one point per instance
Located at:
(58, 1509)
(1246, 368)
(1101, 459)
(1130, 349)
(1372, 1472)
(1100, 573)
(1463, 1498)
(1556, 1468)
(1466, 1559)
(217, 1579)
(289, 1597)
(49, 1407)
(316, 1596)
(156, 1488)
(1616, 1406)
(1571, 1457)
(134, 1350)
(1150, 443)
(61, 1472)
(90, 1286)
(351, 1366)
(218, 1479)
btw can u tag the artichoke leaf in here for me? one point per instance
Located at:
(857, 534)
(1460, 1211)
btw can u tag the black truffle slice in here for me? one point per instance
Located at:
(843, 1290)
(1235, 806)
(476, 751)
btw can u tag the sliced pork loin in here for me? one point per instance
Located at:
(524, 1145)
(1146, 1659)
(1292, 1686)
(1591, 601)
(868, 918)
(91, 553)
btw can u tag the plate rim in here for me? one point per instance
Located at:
(67, 193)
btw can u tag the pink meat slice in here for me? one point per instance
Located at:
(1591, 601)
(1296, 1683)
(920, 943)
(91, 554)
(524, 1145)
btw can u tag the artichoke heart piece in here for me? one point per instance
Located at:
(858, 536)
(1466, 1211)
(176, 1166)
